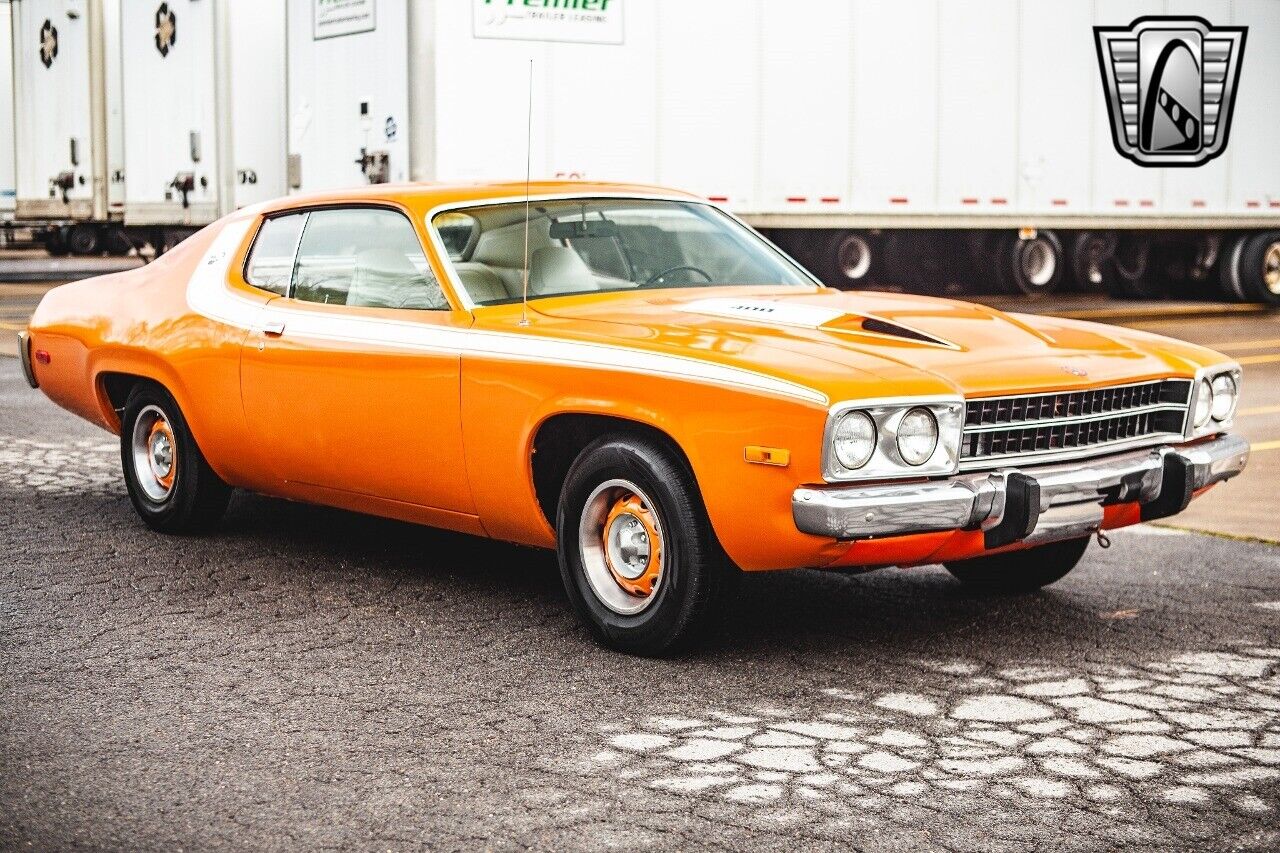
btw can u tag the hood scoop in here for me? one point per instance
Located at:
(806, 316)
(876, 326)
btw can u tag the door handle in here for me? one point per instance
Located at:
(273, 329)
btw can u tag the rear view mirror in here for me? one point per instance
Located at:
(577, 229)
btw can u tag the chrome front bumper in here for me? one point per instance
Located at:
(24, 356)
(1031, 505)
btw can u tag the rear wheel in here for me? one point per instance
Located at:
(852, 257)
(638, 558)
(1252, 272)
(1031, 266)
(170, 484)
(54, 243)
(1091, 253)
(1020, 571)
(83, 240)
(1136, 274)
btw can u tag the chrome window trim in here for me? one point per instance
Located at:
(464, 298)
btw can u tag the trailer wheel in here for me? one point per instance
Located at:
(83, 240)
(852, 257)
(118, 243)
(1091, 254)
(1254, 268)
(1032, 266)
(1136, 276)
(54, 244)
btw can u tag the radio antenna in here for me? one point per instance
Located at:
(528, 168)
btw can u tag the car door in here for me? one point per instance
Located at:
(350, 380)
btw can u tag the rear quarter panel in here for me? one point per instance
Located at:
(139, 323)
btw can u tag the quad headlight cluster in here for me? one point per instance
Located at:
(881, 439)
(1213, 400)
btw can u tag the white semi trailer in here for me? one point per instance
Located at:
(139, 121)
(8, 192)
(943, 143)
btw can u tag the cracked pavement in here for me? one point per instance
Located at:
(309, 678)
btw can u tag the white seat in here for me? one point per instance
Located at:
(559, 269)
(481, 282)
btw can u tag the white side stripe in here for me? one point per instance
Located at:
(209, 296)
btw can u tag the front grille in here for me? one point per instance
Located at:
(998, 429)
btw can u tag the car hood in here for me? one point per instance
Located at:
(825, 337)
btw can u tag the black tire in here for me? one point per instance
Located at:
(1032, 267)
(695, 574)
(1091, 254)
(1253, 268)
(117, 243)
(1136, 276)
(197, 497)
(55, 245)
(1020, 571)
(851, 260)
(83, 240)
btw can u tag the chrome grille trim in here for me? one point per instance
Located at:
(1072, 424)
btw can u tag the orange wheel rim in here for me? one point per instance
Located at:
(164, 453)
(632, 545)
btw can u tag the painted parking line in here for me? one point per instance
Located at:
(1259, 359)
(14, 327)
(1229, 346)
(1260, 446)
(1259, 410)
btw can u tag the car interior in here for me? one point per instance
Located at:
(583, 246)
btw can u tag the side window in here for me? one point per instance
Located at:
(271, 260)
(364, 257)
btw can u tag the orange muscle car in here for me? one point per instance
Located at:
(631, 376)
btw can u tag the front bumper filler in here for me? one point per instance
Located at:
(1030, 505)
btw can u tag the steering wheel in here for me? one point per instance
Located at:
(661, 275)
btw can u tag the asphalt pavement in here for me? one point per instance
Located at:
(306, 678)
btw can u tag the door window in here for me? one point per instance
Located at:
(366, 257)
(271, 261)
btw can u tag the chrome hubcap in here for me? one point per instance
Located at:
(1038, 263)
(161, 455)
(620, 540)
(628, 546)
(854, 257)
(154, 453)
(1271, 268)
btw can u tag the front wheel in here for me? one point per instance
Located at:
(639, 560)
(1020, 571)
(170, 484)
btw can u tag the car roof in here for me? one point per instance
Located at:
(426, 196)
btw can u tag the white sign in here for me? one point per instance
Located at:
(331, 18)
(583, 21)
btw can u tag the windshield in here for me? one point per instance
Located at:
(597, 245)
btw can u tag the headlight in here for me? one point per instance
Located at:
(854, 440)
(890, 438)
(1224, 397)
(1204, 404)
(917, 436)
